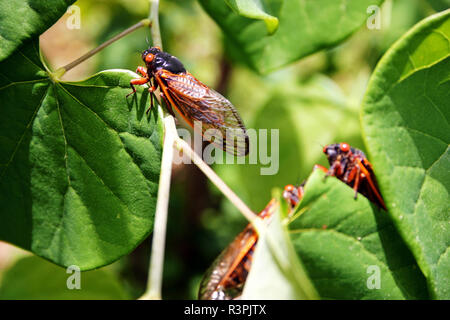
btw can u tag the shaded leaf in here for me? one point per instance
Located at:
(79, 164)
(440, 4)
(21, 20)
(405, 118)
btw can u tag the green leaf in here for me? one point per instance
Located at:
(305, 27)
(276, 271)
(79, 163)
(32, 278)
(254, 9)
(342, 242)
(405, 118)
(21, 20)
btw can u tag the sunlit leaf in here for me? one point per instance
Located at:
(21, 20)
(405, 118)
(350, 248)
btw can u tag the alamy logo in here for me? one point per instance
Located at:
(73, 281)
(374, 20)
(74, 20)
(374, 280)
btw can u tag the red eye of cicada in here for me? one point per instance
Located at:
(149, 58)
(289, 188)
(344, 147)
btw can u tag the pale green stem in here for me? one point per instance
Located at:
(154, 18)
(180, 144)
(155, 274)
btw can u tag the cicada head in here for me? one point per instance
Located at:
(293, 194)
(150, 54)
(332, 152)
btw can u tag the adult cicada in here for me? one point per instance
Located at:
(219, 121)
(351, 166)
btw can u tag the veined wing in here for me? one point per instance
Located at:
(221, 124)
(214, 283)
(225, 279)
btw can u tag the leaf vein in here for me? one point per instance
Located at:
(19, 142)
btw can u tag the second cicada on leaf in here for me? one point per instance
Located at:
(351, 166)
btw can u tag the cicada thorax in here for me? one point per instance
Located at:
(351, 166)
(156, 60)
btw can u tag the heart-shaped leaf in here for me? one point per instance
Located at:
(305, 26)
(405, 116)
(350, 248)
(21, 20)
(79, 163)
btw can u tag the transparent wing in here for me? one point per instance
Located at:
(216, 283)
(210, 286)
(220, 122)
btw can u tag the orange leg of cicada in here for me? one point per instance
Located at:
(151, 90)
(142, 71)
(357, 176)
(140, 82)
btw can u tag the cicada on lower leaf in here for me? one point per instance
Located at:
(193, 100)
(226, 277)
(351, 166)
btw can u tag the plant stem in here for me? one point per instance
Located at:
(181, 145)
(142, 23)
(154, 282)
(154, 18)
